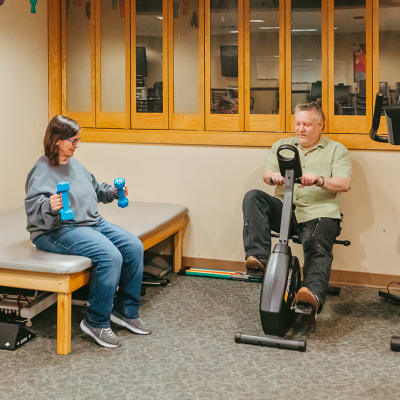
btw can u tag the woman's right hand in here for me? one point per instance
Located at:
(56, 202)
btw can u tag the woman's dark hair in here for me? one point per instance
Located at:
(59, 128)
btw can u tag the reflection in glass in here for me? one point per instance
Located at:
(389, 58)
(186, 58)
(149, 68)
(350, 57)
(224, 56)
(78, 63)
(264, 57)
(112, 57)
(306, 52)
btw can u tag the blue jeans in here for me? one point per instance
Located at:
(117, 256)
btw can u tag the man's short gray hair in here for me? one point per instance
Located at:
(311, 106)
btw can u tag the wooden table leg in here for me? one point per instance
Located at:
(64, 323)
(178, 250)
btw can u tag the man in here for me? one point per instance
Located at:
(326, 173)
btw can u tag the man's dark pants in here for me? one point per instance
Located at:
(262, 213)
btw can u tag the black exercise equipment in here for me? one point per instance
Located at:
(395, 343)
(155, 270)
(388, 296)
(392, 122)
(393, 137)
(277, 342)
(13, 333)
(282, 278)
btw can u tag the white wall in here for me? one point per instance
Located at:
(211, 182)
(23, 94)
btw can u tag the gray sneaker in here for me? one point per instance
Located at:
(134, 325)
(103, 336)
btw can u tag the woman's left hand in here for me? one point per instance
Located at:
(125, 191)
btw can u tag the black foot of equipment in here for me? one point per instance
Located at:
(395, 343)
(270, 341)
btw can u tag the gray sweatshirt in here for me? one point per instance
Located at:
(84, 194)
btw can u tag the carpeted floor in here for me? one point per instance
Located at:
(192, 354)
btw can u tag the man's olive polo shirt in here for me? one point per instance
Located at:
(328, 159)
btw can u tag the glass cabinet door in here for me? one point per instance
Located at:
(149, 64)
(307, 69)
(350, 89)
(78, 61)
(186, 76)
(386, 63)
(264, 58)
(113, 64)
(224, 69)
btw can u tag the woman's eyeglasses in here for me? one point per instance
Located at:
(73, 141)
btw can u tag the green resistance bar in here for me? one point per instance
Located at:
(221, 274)
(208, 275)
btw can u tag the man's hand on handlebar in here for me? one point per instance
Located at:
(276, 179)
(309, 179)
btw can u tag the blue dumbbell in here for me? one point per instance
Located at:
(66, 212)
(119, 183)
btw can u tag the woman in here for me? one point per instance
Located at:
(116, 254)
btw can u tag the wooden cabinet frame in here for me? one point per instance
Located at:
(242, 129)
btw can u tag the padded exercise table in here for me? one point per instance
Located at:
(23, 266)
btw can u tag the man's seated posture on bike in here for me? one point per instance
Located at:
(326, 173)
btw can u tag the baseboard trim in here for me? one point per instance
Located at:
(338, 277)
(366, 279)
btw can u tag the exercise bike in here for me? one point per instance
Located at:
(392, 114)
(282, 278)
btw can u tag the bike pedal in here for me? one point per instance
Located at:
(303, 308)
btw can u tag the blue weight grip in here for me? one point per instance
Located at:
(119, 183)
(66, 213)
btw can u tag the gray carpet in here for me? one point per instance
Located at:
(192, 354)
